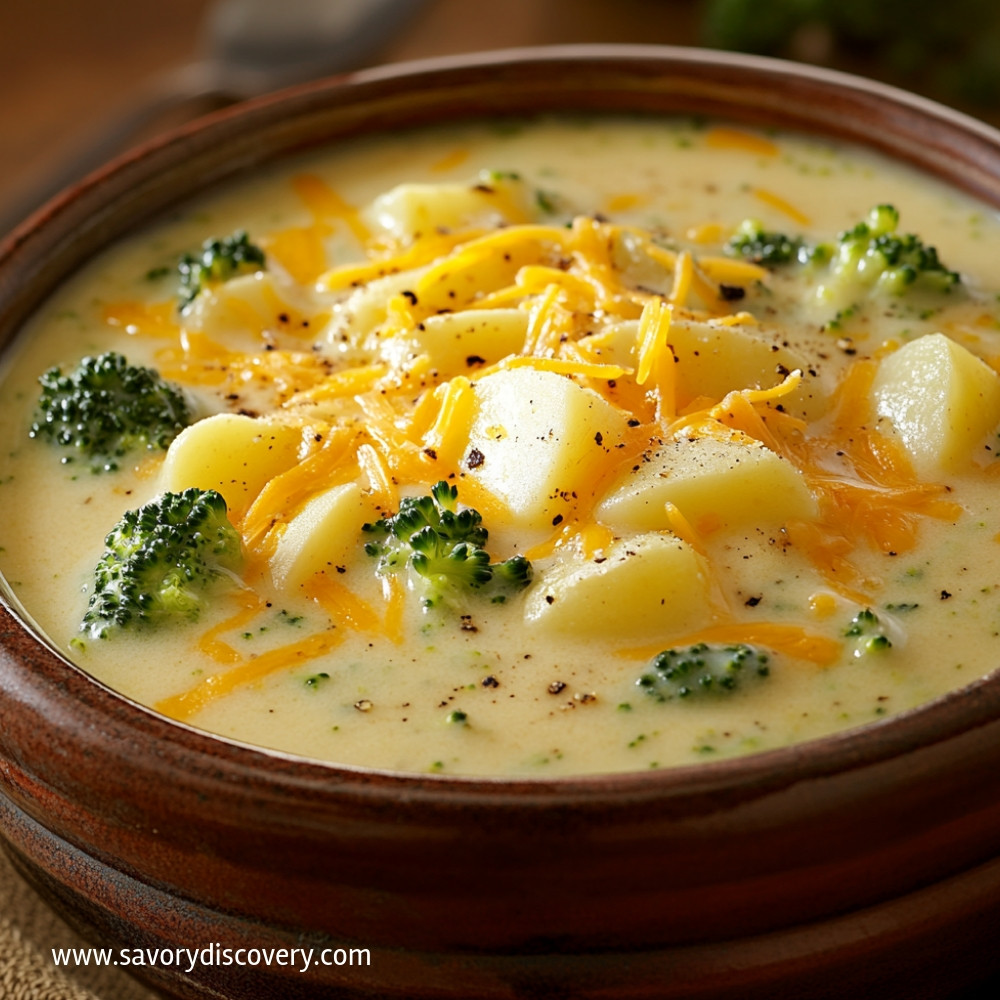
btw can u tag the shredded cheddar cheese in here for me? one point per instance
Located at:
(184, 706)
(723, 138)
(326, 204)
(654, 325)
(139, 319)
(782, 205)
(792, 640)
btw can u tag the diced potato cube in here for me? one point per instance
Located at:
(540, 439)
(243, 306)
(324, 534)
(713, 483)
(714, 359)
(231, 453)
(355, 319)
(642, 588)
(410, 210)
(459, 343)
(941, 400)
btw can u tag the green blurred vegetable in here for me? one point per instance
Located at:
(951, 51)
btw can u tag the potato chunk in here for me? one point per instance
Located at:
(231, 453)
(941, 400)
(540, 438)
(714, 359)
(458, 343)
(410, 210)
(246, 306)
(645, 587)
(714, 483)
(323, 534)
(355, 320)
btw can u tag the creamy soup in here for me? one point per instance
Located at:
(735, 453)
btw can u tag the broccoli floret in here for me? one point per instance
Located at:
(703, 669)
(160, 561)
(107, 407)
(444, 546)
(873, 254)
(869, 632)
(755, 244)
(514, 573)
(218, 261)
(870, 257)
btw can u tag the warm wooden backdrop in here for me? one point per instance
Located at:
(65, 64)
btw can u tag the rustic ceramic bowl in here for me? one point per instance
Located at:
(864, 864)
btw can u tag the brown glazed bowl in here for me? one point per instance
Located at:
(861, 865)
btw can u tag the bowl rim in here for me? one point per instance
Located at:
(943, 719)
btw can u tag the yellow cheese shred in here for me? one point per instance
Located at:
(544, 327)
(732, 272)
(379, 481)
(300, 251)
(188, 704)
(325, 203)
(343, 607)
(682, 528)
(141, 319)
(533, 279)
(447, 436)
(493, 244)
(726, 138)
(394, 594)
(782, 205)
(791, 640)
(452, 159)
(587, 536)
(210, 642)
(654, 326)
(625, 202)
(332, 464)
(706, 232)
(348, 382)
(426, 250)
(683, 276)
(562, 366)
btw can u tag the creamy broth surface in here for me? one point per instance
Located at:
(525, 687)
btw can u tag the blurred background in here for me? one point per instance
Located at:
(82, 78)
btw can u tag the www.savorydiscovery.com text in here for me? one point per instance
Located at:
(189, 959)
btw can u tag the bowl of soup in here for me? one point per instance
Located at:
(519, 525)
